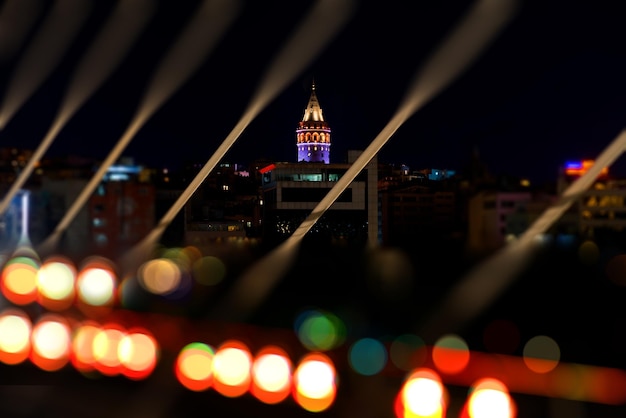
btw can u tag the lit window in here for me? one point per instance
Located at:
(99, 222)
(225, 187)
(101, 239)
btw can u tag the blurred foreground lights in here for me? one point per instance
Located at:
(15, 330)
(368, 356)
(232, 365)
(105, 349)
(51, 342)
(82, 355)
(56, 281)
(421, 396)
(315, 382)
(160, 276)
(408, 351)
(451, 354)
(319, 330)
(96, 284)
(208, 270)
(112, 350)
(271, 375)
(138, 353)
(541, 354)
(18, 281)
(194, 366)
(489, 398)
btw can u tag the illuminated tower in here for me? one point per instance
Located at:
(313, 134)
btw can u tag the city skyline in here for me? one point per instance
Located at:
(547, 91)
(536, 304)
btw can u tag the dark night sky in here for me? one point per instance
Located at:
(551, 88)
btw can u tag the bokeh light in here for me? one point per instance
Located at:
(315, 382)
(541, 354)
(82, 354)
(319, 330)
(194, 366)
(138, 353)
(56, 280)
(209, 270)
(96, 283)
(232, 365)
(160, 276)
(105, 349)
(422, 395)
(367, 356)
(271, 375)
(183, 259)
(18, 281)
(15, 332)
(451, 354)
(489, 398)
(51, 342)
(408, 351)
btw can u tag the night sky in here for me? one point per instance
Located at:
(549, 89)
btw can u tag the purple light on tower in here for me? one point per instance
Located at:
(313, 133)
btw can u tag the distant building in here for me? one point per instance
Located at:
(119, 213)
(488, 223)
(420, 212)
(291, 191)
(225, 206)
(14, 224)
(601, 209)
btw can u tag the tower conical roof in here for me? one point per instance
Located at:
(313, 111)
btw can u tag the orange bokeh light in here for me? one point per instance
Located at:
(271, 375)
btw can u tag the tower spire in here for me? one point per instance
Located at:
(313, 110)
(313, 133)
